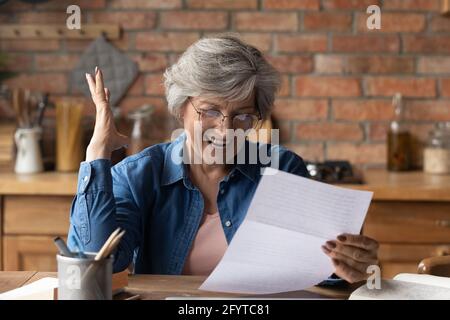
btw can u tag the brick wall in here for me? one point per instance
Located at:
(338, 77)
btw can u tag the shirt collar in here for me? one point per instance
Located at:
(174, 169)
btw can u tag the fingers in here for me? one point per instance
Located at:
(348, 273)
(107, 94)
(91, 83)
(359, 241)
(351, 252)
(359, 266)
(99, 88)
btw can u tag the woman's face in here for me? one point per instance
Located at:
(211, 137)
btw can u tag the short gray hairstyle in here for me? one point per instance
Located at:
(221, 67)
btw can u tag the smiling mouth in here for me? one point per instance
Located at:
(217, 143)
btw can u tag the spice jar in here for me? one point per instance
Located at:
(437, 151)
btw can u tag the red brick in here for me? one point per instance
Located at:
(329, 131)
(63, 4)
(410, 87)
(262, 41)
(291, 63)
(362, 110)
(377, 131)
(427, 110)
(154, 84)
(440, 24)
(358, 154)
(426, 44)
(78, 45)
(445, 87)
(365, 43)
(15, 6)
(46, 82)
(434, 65)
(349, 4)
(145, 4)
(310, 86)
(29, 45)
(133, 102)
(128, 20)
(17, 62)
(300, 109)
(55, 62)
(327, 21)
(137, 87)
(222, 4)
(416, 5)
(329, 64)
(199, 20)
(285, 89)
(309, 151)
(394, 22)
(265, 21)
(167, 41)
(151, 62)
(380, 64)
(301, 43)
(292, 4)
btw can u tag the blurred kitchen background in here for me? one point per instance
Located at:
(366, 107)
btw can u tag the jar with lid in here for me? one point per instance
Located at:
(437, 151)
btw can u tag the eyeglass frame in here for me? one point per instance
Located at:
(199, 112)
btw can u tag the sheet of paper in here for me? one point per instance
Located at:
(277, 248)
(42, 289)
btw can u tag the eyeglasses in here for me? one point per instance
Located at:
(213, 117)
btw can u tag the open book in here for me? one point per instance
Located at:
(407, 286)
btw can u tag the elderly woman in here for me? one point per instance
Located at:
(180, 215)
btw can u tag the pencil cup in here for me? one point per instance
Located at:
(84, 278)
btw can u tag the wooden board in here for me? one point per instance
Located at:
(36, 215)
(58, 31)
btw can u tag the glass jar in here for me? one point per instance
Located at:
(437, 151)
(141, 129)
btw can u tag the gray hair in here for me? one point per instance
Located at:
(221, 67)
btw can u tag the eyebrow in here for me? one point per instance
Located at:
(216, 105)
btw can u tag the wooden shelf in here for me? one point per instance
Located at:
(40, 31)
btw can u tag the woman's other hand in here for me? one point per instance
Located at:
(351, 255)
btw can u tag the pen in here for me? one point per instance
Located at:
(62, 247)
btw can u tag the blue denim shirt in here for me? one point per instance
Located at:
(151, 196)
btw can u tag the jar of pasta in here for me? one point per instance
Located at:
(437, 150)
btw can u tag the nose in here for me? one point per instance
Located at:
(226, 123)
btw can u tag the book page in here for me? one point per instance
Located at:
(424, 279)
(401, 290)
(277, 248)
(42, 289)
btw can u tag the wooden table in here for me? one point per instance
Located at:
(154, 287)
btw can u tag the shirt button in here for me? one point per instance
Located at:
(222, 191)
(228, 223)
(85, 179)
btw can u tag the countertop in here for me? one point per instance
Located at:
(406, 186)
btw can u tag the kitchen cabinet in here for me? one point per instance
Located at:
(409, 216)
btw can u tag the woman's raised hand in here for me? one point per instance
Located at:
(105, 138)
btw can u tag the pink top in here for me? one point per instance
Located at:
(208, 248)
